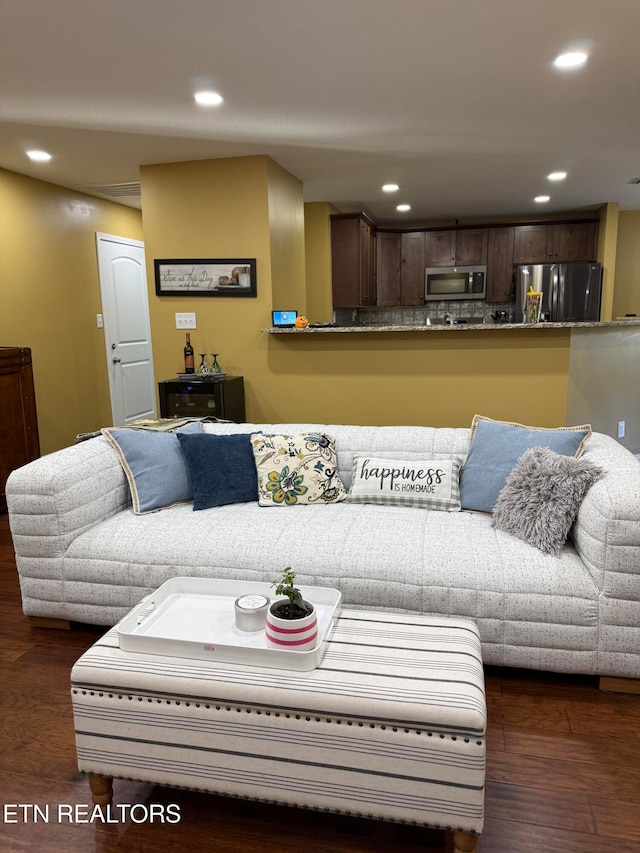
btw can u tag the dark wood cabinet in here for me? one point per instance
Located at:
(465, 247)
(500, 281)
(19, 440)
(223, 398)
(352, 260)
(563, 242)
(575, 242)
(388, 261)
(412, 269)
(440, 248)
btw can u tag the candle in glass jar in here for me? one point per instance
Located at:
(251, 611)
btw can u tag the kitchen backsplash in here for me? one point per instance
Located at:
(416, 315)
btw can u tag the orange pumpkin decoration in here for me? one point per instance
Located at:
(301, 322)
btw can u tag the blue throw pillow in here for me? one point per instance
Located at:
(495, 448)
(221, 468)
(154, 466)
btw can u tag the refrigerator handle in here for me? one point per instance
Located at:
(555, 285)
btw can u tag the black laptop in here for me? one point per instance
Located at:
(283, 319)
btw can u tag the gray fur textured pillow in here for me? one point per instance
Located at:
(542, 496)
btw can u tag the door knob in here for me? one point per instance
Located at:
(116, 360)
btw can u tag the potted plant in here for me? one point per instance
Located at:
(291, 621)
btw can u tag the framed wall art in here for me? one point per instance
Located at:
(208, 277)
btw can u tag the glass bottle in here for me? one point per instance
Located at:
(188, 355)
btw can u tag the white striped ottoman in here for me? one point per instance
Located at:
(390, 726)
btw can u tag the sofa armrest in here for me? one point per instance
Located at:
(606, 533)
(55, 498)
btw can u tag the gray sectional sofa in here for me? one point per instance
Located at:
(84, 555)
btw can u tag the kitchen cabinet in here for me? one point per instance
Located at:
(352, 260)
(412, 268)
(575, 242)
(500, 281)
(543, 243)
(465, 247)
(400, 268)
(388, 262)
(19, 440)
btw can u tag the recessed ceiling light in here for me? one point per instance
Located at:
(403, 207)
(542, 199)
(390, 188)
(557, 176)
(208, 99)
(39, 156)
(572, 59)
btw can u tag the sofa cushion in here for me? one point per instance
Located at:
(154, 465)
(542, 496)
(221, 468)
(496, 446)
(296, 469)
(427, 483)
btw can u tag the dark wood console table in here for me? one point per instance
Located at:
(19, 439)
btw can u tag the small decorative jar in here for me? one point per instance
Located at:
(251, 611)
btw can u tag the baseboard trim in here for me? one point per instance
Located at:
(612, 684)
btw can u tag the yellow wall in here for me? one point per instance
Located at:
(434, 378)
(317, 231)
(50, 295)
(286, 232)
(627, 292)
(246, 207)
(607, 250)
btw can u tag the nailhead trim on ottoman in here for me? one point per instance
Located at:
(391, 725)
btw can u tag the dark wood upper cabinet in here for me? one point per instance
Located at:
(388, 262)
(471, 246)
(463, 247)
(440, 248)
(544, 243)
(575, 241)
(500, 281)
(352, 260)
(412, 271)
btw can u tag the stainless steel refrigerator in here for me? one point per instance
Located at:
(570, 292)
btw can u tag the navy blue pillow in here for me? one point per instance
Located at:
(221, 467)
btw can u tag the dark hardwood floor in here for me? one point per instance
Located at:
(563, 768)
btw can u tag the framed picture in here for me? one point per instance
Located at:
(209, 277)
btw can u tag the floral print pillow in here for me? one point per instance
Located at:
(297, 469)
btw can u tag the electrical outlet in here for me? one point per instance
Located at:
(186, 321)
(621, 428)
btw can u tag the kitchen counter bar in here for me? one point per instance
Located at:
(461, 327)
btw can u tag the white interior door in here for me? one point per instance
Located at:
(127, 330)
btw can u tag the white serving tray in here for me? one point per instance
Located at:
(195, 618)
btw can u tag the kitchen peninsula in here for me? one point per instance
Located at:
(454, 327)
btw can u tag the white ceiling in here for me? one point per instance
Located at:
(455, 100)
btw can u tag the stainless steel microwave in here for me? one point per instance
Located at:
(455, 283)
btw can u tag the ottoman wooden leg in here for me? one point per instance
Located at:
(101, 789)
(465, 842)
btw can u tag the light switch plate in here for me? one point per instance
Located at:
(186, 321)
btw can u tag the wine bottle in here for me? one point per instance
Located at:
(188, 356)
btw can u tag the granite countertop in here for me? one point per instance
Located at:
(461, 327)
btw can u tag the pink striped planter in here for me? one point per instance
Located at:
(299, 635)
